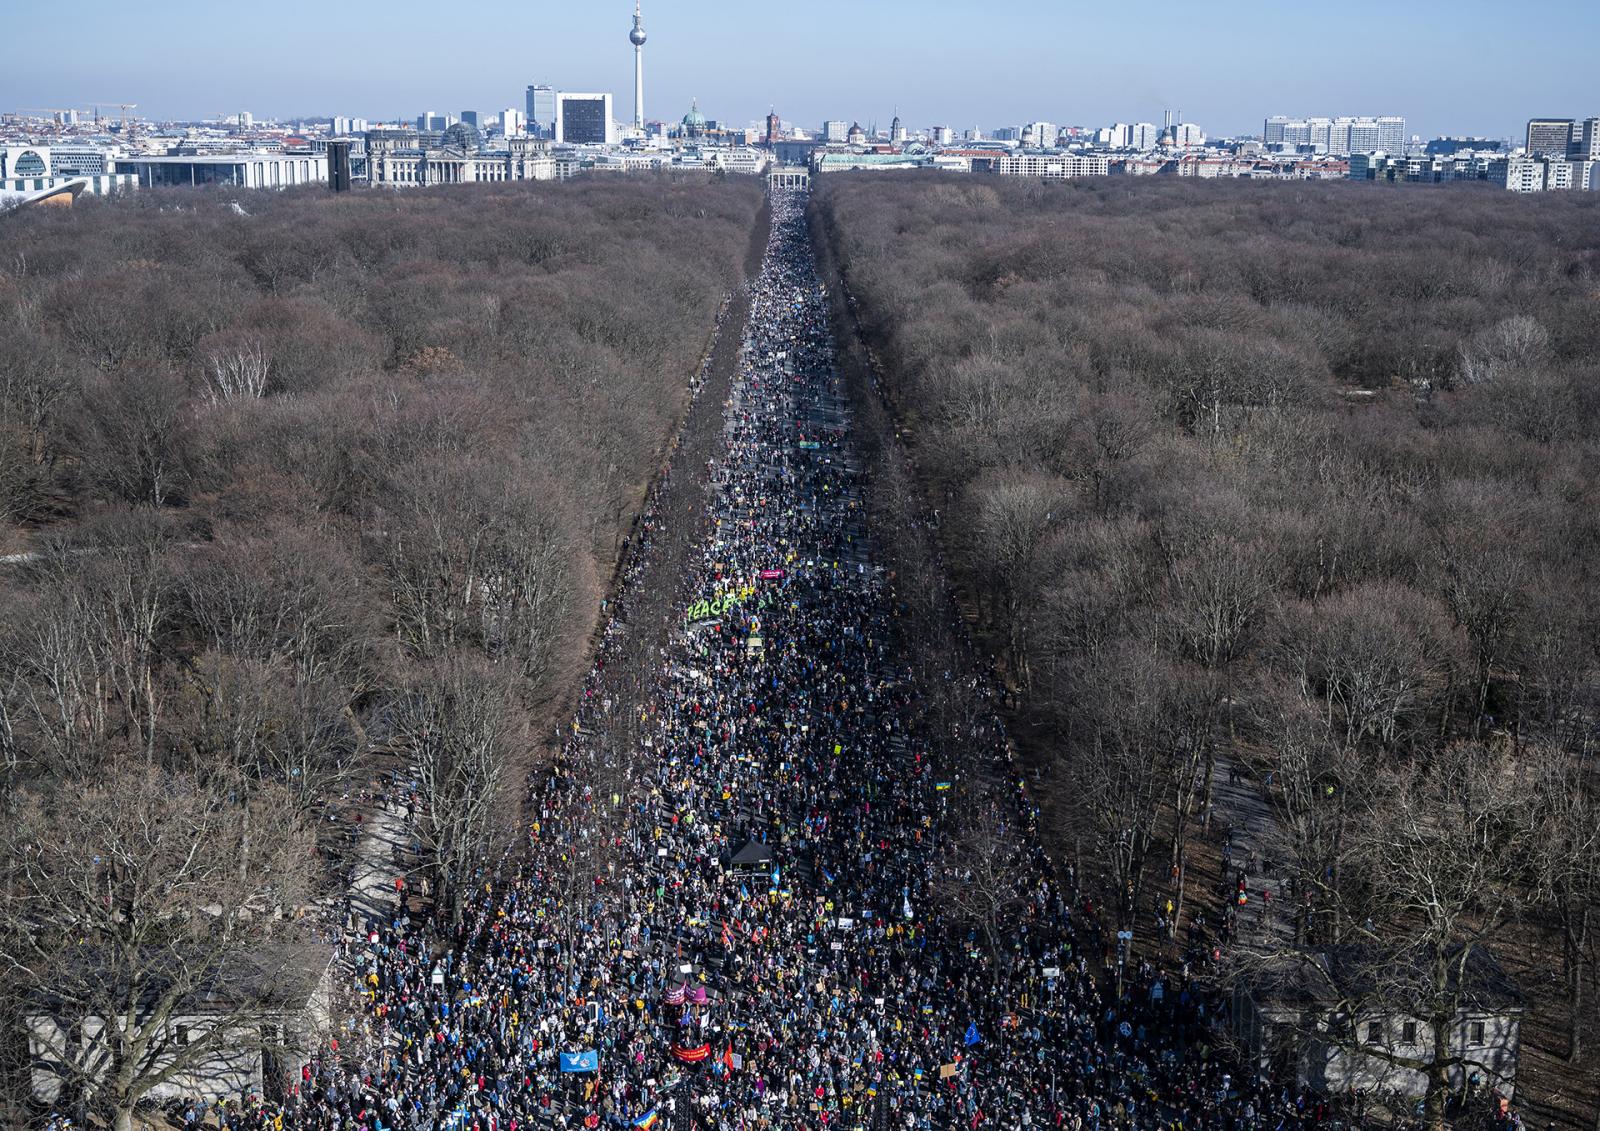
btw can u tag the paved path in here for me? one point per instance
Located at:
(384, 834)
(1257, 850)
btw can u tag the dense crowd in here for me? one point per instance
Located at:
(742, 914)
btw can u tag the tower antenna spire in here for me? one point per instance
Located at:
(636, 37)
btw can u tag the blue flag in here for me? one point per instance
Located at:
(972, 1037)
(588, 1060)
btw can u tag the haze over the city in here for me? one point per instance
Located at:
(1225, 65)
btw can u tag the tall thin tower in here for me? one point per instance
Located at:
(636, 37)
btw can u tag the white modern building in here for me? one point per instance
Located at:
(1336, 135)
(1121, 135)
(1054, 166)
(1521, 173)
(34, 168)
(1187, 135)
(1041, 135)
(242, 170)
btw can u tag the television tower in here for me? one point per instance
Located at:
(636, 37)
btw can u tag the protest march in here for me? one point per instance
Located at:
(740, 917)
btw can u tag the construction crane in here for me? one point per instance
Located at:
(123, 106)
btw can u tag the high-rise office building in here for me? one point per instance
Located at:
(472, 119)
(1585, 142)
(1549, 137)
(541, 112)
(1366, 136)
(513, 122)
(1336, 135)
(1041, 134)
(834, 130)
(584, 119)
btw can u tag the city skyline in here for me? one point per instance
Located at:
(928, 61)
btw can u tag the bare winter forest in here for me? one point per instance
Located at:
(1293, 482)
(286, 486)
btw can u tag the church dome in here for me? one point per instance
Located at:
(694, 120)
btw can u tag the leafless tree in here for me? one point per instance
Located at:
(456, 729)
(980, 860)
(286, 597)
(135, 436)
(1119, 769)
(1434, 869)
(1498, 351)
(1483, 574)
(1564, 834)
(1012, 520)
(1333, 519)
(1375, 661)
(236, 368)
(132, 904)
(86, 676)
(35, 383)
(475, 561)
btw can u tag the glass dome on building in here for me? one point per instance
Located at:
(464, 135)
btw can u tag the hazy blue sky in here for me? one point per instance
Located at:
(1449, 66)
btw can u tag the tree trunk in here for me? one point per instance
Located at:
(1438, 1076)
(1574, 939)
(1177, 902)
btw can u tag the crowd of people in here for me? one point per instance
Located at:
(738, 916)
